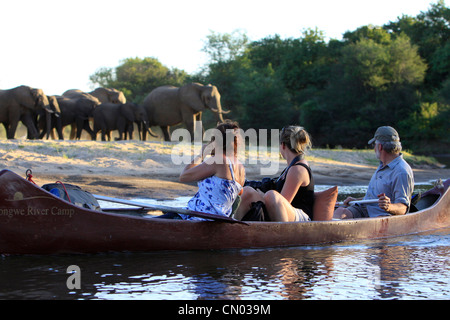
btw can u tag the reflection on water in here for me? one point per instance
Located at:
(411, 267)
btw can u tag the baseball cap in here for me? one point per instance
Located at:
(385, 134)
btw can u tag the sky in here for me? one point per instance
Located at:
(55, 45)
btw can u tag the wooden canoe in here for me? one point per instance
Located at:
(34, 221)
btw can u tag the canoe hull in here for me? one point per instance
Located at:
(33, 221)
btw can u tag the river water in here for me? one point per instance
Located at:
(409, 267)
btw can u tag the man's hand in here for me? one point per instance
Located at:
(384, 202)
(346, 201)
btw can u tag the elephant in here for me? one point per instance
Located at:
(56, 122)
(111, 116)
(23, 103)
(76, 112)
(168, 106)
(99, 95)
(102, 95)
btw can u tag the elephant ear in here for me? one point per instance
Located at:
(192, 95)
(116, 96)
(54, 104)
(41, 100)
(206, 95)
(109, 95)
(127, 111)
(35, 94)
(100, 94)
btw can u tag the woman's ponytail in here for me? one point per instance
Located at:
(296, 139)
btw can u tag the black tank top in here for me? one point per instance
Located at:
(304, 199)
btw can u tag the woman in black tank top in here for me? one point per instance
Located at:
(293, 197)
(304, 198)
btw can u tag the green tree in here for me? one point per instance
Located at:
(430, 31)
(444, 93)
(369, 32)
(405, 64)
(271, 50)
(226, 69)
(431, 128)
(427, 124)
(366, 61)
(136, 77)
(253, 91)
(306, 61)
(225, 47)
(301, 63)
(265, 103)
(374, 83)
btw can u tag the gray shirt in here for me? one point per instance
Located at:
(396, 180)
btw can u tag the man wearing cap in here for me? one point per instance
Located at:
(392, 183)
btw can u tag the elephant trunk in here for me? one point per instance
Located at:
(48, 120)
(58, 126)
(219, 116)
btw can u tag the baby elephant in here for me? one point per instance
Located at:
(110, 116)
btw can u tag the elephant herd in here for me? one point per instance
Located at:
(107, 109)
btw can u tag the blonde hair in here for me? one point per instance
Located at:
(296, 139)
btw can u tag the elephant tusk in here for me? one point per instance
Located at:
(151, 133)
(220, 112)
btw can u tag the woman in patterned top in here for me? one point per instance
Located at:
(218, 173)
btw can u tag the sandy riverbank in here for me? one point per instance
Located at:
(145, 169)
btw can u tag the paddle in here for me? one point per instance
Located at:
(170, 209)
(358, 201)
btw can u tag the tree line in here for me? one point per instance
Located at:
(339, 90)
